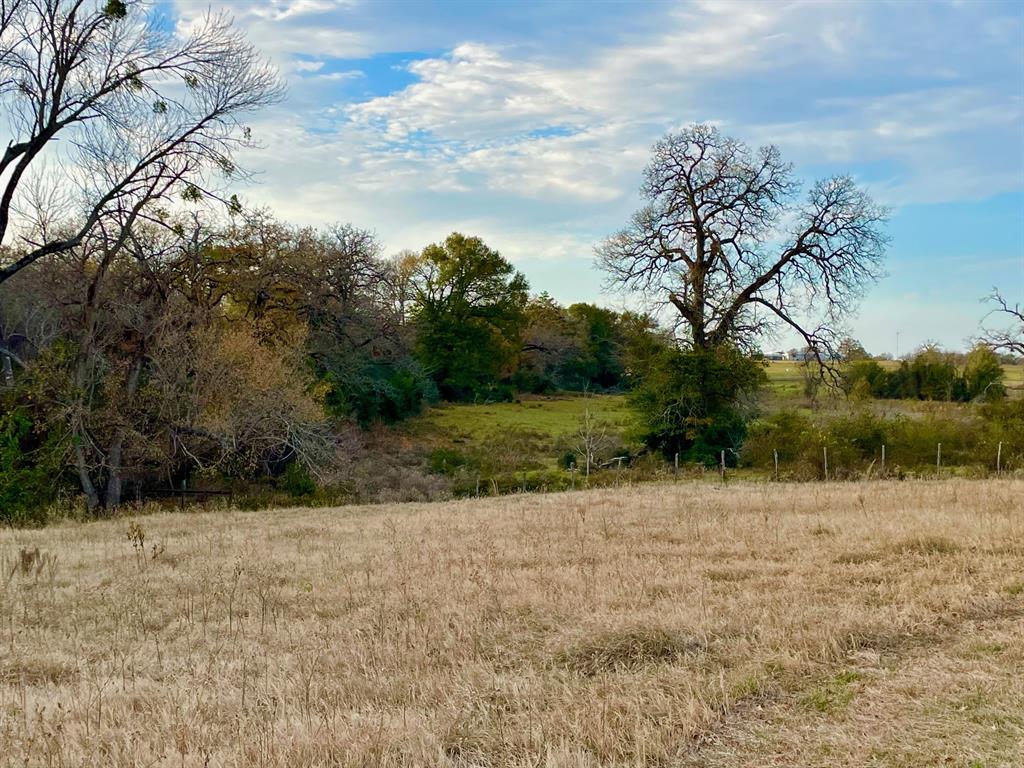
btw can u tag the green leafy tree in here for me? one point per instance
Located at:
(470, 311)
(550, 344)
(983, 374)
(935, 376)
(851, 350)
(599, 363)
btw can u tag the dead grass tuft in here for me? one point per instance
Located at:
(625, 650)
(927, 545)
(856, 558)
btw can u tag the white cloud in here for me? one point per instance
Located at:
(929, 138)
(279, 10)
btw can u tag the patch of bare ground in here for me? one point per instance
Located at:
(874, 624)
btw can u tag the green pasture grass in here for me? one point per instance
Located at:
(552, 416)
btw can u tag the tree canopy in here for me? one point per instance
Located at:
(123, 111)
(470, 308)
(724, 241)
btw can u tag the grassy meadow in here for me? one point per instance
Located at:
(534, 433)
(555, 415)
(837, 624)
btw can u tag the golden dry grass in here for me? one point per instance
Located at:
(752, 625)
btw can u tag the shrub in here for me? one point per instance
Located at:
(296, 481)
(697, 403)
(378, 391)
(447, 461)
(866, 374)
(30, 469)
(983, 375)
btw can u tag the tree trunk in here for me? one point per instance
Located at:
(112, 496)
(92, 498)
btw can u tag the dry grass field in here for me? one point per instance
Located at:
(848, 624)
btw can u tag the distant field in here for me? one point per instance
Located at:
(1014, 376)
(785, 377)
(849, 624)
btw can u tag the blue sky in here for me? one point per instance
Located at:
(529, 124)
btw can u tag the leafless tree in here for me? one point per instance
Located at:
(1008, 339)
(723, 240)
(109, 111)
(591, 439)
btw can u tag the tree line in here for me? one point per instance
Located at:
(152, 328)
(236, 349)
(929, 374)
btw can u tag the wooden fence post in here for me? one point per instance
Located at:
(938, 456)
(883, 458)
(999, 459)
(723, 466)
(824, 453)
(775, 455)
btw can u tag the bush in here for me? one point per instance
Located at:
(983, 375)
(865, 375)
(296, 481)
(795, 437)
(447, 461)
(30, 469)
(697, 403)
(378, 391)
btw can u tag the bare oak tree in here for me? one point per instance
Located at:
(109, 110)
(723, 240)
(1008, 339)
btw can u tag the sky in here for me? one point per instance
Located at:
(529, 125)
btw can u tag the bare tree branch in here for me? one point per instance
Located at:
(133, 104)
(721, 241)
(1011, 338)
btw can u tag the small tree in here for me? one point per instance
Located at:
(850, 350)
(983, 374)
(590, 440)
